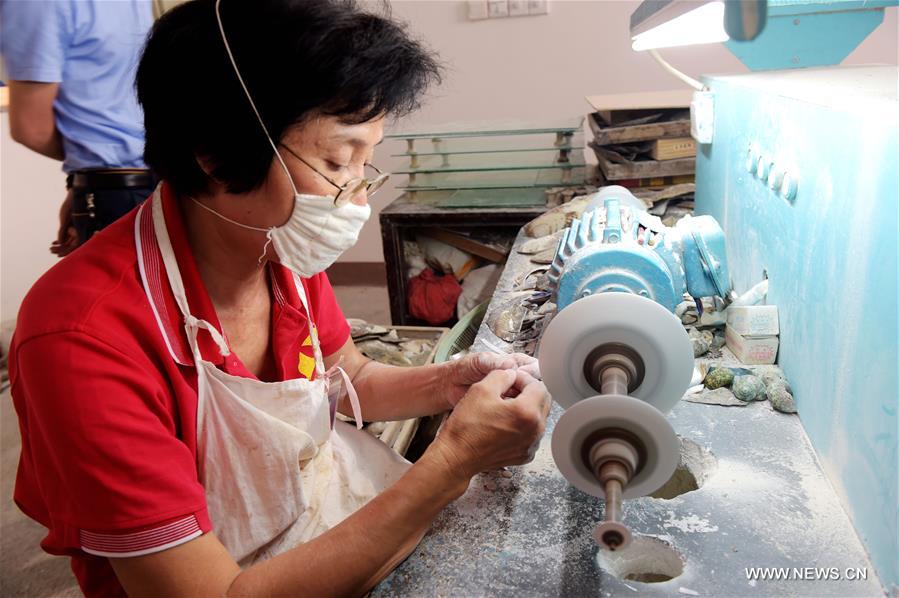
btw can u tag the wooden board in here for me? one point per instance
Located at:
(603, 135)
(615, 168)
(472, 246)
(643, 116)
(652, 182)
(673, 147)
(672, 98)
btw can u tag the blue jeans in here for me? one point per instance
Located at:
(94, 209)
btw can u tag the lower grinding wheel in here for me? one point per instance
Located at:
(616, 412)
(653, 332)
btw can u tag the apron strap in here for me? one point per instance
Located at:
(313, 329)
(173, 274)
(193, 323)
(319, 360)
(350, 391)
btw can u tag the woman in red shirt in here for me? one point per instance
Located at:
(176, 377)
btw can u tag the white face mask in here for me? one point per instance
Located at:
(314, 236)
(318, 232)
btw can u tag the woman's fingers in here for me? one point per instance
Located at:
(534, 395)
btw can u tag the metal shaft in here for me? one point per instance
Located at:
(611, 533)
(613, 460)
(613, 500)
(613, 475)
(614, 381)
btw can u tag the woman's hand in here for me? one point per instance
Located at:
(472, 368)
(67, 238)
(498, 422)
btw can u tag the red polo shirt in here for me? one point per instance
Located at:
(107, 403)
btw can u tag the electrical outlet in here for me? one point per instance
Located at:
(518, 8)
(702, 116)
(498, 8)
(538, 7)
(477, 10)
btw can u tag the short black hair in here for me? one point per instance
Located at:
(297, 57)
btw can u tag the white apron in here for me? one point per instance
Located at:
(275, 472)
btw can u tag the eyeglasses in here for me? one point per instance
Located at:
(352, 187)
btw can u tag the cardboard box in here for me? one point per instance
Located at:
(752, 350)
(673, 148)
(753, 320)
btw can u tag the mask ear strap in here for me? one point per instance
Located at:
(218, 18)
(267, 231)
(268, 241)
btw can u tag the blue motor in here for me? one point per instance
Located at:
(616, 246)
(614, 355)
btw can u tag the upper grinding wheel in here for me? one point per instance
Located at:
(613, 413)
(656, 335)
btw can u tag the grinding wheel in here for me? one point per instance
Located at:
(653, 332)
(615, 413)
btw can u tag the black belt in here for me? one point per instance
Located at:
(112, 179)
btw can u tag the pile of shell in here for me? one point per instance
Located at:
(387, 346)
(525, 307)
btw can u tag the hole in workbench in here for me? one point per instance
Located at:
(646, 560)
(696, 466)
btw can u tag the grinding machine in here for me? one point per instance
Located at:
(614, 355)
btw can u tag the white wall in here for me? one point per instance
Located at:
(542, 67)
(516, 68)
(32, 188)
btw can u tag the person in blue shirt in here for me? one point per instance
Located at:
(71, 67)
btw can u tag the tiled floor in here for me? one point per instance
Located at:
(25, 570)
(368, 303)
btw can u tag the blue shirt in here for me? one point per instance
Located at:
(91, 48)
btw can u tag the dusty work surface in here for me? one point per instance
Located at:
(763, 502)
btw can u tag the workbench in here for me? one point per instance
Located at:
(765, 502)
(408, 215)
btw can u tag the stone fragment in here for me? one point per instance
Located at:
(701, 341)
(770, 374)
(780, 397)
(540, 244)
(700, 347)
(740, 371)
(718, 378)
(719, 396)
(749, 388)
(713, 318)
(686, 311)
(718, 341)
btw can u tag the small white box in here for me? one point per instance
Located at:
(498, 8)
(518, 8)
(538, 7)
(477, 10)
(752, 350)
(753, 320)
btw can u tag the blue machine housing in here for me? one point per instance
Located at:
(619, 247)
(829, 244)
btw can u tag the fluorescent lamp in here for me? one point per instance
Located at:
(702, 25)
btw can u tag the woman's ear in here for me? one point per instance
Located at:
(206, 165)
